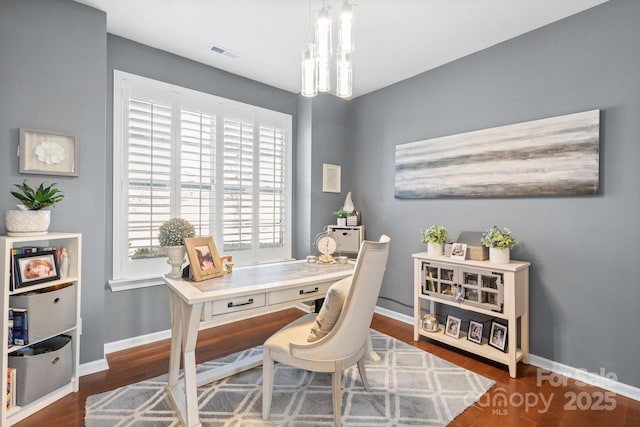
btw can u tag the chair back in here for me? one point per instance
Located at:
(351, 330)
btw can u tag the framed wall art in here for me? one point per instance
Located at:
(203, 257)
(48, 153)
(330, 178)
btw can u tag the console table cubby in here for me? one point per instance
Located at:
(500, 291)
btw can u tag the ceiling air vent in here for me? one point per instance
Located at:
(224, 51)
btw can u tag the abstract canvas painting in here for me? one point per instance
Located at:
(557, 156)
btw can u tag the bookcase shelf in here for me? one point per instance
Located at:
(500, 291)
(73, 244)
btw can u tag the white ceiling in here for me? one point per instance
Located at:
(395, 39)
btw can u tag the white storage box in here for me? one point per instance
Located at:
(41, 368)
(50, 311)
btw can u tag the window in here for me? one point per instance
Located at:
(222, 165)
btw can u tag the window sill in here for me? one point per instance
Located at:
(138, 283)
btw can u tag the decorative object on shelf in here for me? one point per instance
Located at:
(48, 153)
(342, 217)
(452, 328)
(353, 216)
(498, 336)
(327, 244)
(506, 161)
(459, 251)
(434, 237)
(474, 334)
(316, 57)
(499, 241)
(203, 257)
(30, 219)
(430, 323)
(64, 263)
(331, 178)
(171, 235)
(227, 263)
(475, 250)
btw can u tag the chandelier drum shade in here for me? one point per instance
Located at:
(318, 56)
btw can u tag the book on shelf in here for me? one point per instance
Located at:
(10, 327)
(20, 326)
(11, 387)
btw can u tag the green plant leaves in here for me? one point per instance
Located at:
(39, 198)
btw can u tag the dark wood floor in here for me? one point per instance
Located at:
(561, 406)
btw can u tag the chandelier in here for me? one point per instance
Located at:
(317, 55)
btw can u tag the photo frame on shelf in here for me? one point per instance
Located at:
(459, 251)
(474, 334)
(48, 153)
(34, 268)
(331, 178)
(498, 336)
(452, 328)
(203, 258)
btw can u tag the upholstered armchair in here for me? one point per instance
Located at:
(314, 344)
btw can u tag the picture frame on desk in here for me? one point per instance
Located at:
(498, 336)
(203, 258)
(34, 268)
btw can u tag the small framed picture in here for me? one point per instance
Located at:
(48, 153)
(459, 251)
(331, 178)
(203, 258)
(452, 328)
(474, 334)
(498, 336)
(33, 268)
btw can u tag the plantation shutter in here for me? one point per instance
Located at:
(238, 184)
(197, 170)
(271, 205)
(149, 173)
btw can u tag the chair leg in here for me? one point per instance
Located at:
(363, 372)
(337, 396)
(267, 384)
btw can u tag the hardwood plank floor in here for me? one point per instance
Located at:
(511, 402)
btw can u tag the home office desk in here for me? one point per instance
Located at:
(246, 292)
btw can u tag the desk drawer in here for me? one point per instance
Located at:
(231, 305)
(302, 292)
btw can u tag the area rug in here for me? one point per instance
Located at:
(409, 387)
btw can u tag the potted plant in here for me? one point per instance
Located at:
(171, 235)
(31, 218)
(342, 217)
(434, 237)
(499, 241)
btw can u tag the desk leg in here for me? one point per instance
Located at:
(185, 320)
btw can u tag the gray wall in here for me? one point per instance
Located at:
(53, 78)
(584, 287)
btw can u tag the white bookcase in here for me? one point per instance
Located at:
(500, 291)
(73, 244)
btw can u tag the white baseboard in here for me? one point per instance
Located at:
(93, 367)
(600, 379)
(136, 341)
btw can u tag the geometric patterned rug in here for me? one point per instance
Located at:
(409, 387)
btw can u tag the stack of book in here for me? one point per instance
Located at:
(18, 326)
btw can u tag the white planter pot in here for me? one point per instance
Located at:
(499, 256)
(27, 223)
(342, 222)
(434, 248)
(175, 255)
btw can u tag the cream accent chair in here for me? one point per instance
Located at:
(346, 344)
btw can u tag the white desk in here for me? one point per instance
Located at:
(244, 293)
